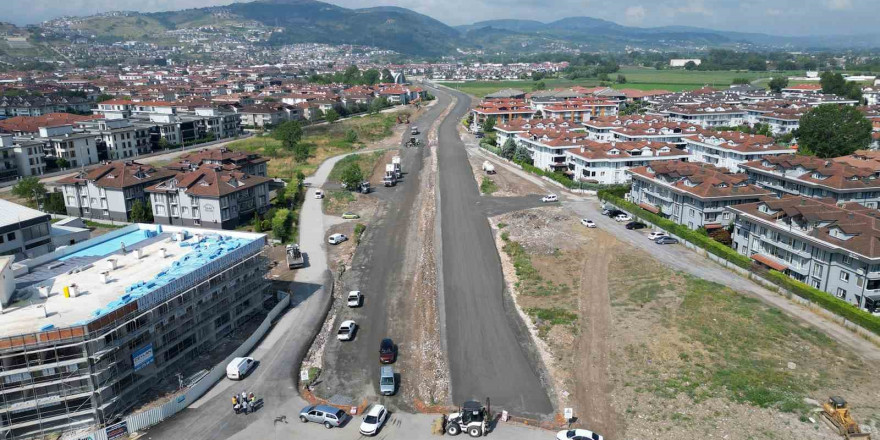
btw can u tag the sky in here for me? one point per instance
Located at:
(779, 17)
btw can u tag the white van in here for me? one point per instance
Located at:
(239, 367)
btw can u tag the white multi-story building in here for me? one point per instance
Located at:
(729, 149)
(608, 162)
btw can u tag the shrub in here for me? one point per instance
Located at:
(358, 232)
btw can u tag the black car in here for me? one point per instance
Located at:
(666, 240)
(614, 213)
(387, 351)
(636, 225)
(479, 135)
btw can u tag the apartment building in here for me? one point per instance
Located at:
(209, 197)
(729, 149)
(515, 127)
(229, 160)
(691, 194)
(38, 105)
(829, 246)
(608, 162)
(77, 148)
(89, 331)
(25, 153)
(707, 115)
(503, 110)
(846, 179)
(547, 146)
(109, 191)
(118, 138)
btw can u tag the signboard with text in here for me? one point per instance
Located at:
(142, 357)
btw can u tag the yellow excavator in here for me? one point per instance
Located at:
(835, 412)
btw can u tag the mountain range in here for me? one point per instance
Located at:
(412, 33)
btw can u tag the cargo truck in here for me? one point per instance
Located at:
(389, 179)
(397, 171)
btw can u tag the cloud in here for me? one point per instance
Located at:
(635, 14)
(774, 12)
(838, 5)
(692, 7)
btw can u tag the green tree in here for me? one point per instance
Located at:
(740, 81)
(301, 152)
(540, 85)
(257, 223)
(62, 162)
(621, 79)
(537, 76)
(270, 150)
(351, 136)
(508, 149)
(387, 77)
(331, 116)
(763, 129)
(282, 224)
(140, 212)
(777, 83)
(351, 176)
(30, 189)
(690, 65)
(522, 155)
(352, 75)
(832, 130)
(289, 133)
(164, 144)
(54, 203)
(378, 104)
(371, 76)
(836, 84)
(488, 125)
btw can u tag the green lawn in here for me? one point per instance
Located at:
(636, 78)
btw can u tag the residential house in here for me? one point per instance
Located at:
(729, 149)
(607, 162)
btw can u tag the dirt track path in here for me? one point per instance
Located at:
(593, 393)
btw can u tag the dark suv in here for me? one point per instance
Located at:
(636, 225)
(387, 351)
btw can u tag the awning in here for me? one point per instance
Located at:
(650, 208)
(767, 261)
(711, 226)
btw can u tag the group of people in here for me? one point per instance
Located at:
(244, 402)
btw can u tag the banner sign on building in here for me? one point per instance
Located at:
(142, 357)
(117, 431)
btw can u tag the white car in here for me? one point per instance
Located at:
(657, 234)
(337, 238)
(354, 298)
(550, 198)
(588, 223)
(578, 434)
(623, 218)
(346, 330)
(373, 420)
(319, 194)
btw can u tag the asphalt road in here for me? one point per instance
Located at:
(489, 353)
(378, 270)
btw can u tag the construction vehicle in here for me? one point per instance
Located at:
(488, 167)
(836, 414)
(472, 417)
(389, 179)
(398, 173)
(364, 187)
(413, 142)
(295, 258)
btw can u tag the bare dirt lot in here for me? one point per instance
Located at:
(643, 352)
(503, 184)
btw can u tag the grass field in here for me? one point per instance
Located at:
(324, 141)
(636, 78)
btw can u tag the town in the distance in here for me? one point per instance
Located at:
(288, 219)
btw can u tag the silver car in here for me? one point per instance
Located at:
(327, 415)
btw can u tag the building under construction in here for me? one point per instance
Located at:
(86, 330)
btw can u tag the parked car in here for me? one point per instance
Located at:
(319, 194)
(350, 215)
(387, 381)
(373, 420)
(355, 298)
(666, 240)
(550, 198)
(636, 225)
(578, 434)
(326, 415)
(346, 330)
(623, 217)
(606, 211)
(479, 135)
(657, 234)
(337, 238)
(239, 367)
(588, 223)
(387, 351)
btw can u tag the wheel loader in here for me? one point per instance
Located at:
(835, 412)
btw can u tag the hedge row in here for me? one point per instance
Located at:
(823, 299)
(682, 231)
(827, 301)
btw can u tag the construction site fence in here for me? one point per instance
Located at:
(146, 419)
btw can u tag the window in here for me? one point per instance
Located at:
(845, 259)
(844, 276)
(10, 236)
(841, 293)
